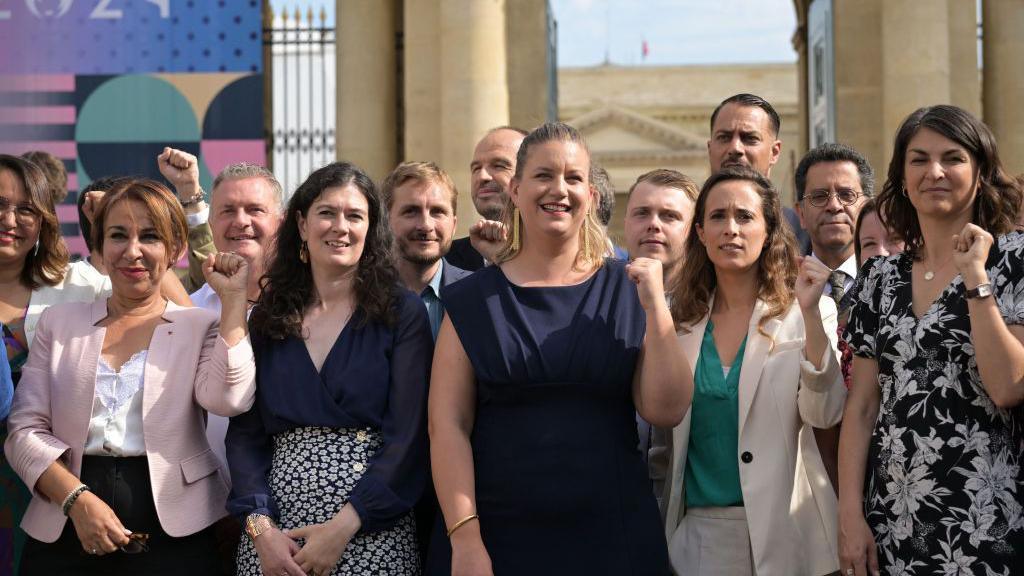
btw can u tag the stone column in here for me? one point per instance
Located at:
(915, 62)
(421, 72)
(366, 79)
(473, 87)
(1003, 89)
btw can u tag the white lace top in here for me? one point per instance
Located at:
(115, 428)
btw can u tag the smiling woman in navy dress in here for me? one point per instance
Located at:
(542, 364)
(327, 466)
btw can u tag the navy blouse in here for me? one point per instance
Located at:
(374, 376)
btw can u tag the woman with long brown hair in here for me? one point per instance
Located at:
(747, 492)
(327, 466)
(930, 463)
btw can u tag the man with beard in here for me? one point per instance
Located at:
(421, 200)
(491, 171)
(745, 132)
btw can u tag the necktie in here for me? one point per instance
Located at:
(836, 283)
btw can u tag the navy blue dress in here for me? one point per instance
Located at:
(560, 485)
(373, 383)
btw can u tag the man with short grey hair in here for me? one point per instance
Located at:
(244, 214)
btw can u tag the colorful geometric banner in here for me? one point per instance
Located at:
(129, 36)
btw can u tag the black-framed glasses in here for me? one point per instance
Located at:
(24, 214)
(820, 198)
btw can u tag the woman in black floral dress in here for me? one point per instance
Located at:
(930, 466)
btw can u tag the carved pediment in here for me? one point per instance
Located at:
(615, 133)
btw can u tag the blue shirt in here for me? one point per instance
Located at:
(6, 384)
(431, 296)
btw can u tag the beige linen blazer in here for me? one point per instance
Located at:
(189, 369)
(790, 505)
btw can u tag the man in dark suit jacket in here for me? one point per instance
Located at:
(491, 171)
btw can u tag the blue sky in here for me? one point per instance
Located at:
(677, 31)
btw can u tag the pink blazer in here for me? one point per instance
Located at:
(189, 370)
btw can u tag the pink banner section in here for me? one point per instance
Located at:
(67, 212)
(76, 245)
(72, 181)
(37, 83)
(219, 153)
(37, 115)
(64, 149)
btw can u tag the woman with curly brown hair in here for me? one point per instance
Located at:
(327, 466)
(747, 492)
(930, 464)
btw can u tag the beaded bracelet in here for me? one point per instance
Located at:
(71, 498)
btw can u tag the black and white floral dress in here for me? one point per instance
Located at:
(945, 485)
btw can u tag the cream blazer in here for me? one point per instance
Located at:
(189, 369)
(790, 505)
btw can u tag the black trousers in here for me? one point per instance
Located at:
(123, 483)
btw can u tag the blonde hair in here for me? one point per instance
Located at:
(593, 240)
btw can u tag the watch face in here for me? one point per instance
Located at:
(984, 291)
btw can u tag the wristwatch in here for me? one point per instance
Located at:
(982, 291)
(256, 524)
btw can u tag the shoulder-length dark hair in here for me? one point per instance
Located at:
(286, 290)
(47, 263)
(999, 195)
(776, 270)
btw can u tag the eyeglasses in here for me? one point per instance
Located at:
(24, 214)
(820, 198)
(137, 543)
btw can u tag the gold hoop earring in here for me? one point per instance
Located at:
(516, 240)
(304, 253)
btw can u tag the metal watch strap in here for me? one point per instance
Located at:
(256, 524)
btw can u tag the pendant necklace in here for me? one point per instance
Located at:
(930, 274)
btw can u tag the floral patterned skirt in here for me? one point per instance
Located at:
(313, 471)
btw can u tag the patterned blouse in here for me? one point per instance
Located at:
(945, 486)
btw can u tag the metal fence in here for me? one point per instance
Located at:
(299, 56)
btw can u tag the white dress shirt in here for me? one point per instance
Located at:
(849, 270)
(115, 428)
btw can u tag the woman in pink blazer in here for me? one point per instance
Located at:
(107, 426)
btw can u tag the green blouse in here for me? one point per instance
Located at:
(712, 472)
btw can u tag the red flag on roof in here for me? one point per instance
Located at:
(644, 49)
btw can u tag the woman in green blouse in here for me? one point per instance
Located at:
(747, 492)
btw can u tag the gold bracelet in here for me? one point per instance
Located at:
(462, 523)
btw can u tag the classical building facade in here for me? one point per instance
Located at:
(882, 59)
(639, 118)
(426, 79)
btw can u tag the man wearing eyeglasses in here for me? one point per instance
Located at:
(832, 183)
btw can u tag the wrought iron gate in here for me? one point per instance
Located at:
(300, 67)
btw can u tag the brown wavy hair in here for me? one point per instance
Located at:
(161, 205)
(593, 238)
(998, 200)
(287, 289)
(776, 269)
(46, 264)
